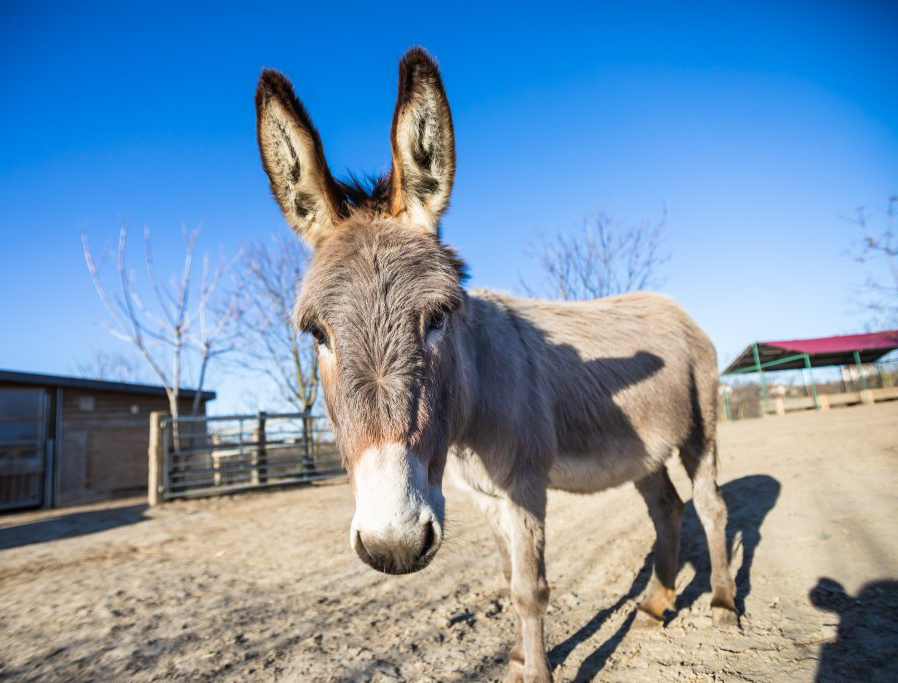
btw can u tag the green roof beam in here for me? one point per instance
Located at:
(768, 364)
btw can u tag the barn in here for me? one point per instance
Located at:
(68, 440)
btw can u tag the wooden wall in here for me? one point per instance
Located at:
(103, 451)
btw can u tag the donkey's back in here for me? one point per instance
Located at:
(620, 382)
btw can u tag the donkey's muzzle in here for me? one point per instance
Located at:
(399, 553)
(398, 523)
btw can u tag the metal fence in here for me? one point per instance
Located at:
(797, 390)
(197, 456)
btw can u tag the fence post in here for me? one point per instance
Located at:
(155, 465)
(779, 405)
(261, 453)
(308, 464)
(725, 390)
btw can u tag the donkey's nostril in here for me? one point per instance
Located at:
(430, 538)
(361, 550)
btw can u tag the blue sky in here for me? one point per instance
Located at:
(757, 125)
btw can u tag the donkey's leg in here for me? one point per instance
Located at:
(525, 523)
(712, 512)
(492, 510)
(666, 511)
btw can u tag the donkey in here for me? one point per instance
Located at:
(524, 395)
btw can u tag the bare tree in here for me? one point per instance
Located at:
(176, 333)
(270, 344)
(603, 258)
(110, 365)
(878, 246)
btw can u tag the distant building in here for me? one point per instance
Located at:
(851, 374)
(777, 389)
(66, 440)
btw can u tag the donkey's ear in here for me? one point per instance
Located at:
(293, 158)
(423, 144)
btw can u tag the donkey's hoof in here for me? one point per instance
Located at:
(646, 622)
(515, 673)
(539, 676)
(723, 616)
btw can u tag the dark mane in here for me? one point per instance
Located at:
(366, 192)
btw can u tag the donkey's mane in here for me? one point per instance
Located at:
(365, 192)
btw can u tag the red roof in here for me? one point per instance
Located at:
(845, 343)
(790, 355)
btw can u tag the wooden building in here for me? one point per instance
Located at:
(66, 440)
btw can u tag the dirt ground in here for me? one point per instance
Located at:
(263, 587)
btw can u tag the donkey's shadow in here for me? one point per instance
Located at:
(748, 500)
(866, 645)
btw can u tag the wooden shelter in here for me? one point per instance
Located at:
(67, 440)
(806, 354)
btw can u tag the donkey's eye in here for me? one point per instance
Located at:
(437, 320)
(318, 333)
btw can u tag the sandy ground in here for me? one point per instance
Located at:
(264, 586)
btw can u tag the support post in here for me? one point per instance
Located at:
(726, 403)
(807, 364)
(764, 401)
(860, 370)
(155, 455)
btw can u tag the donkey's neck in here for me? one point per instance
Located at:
(497, 369)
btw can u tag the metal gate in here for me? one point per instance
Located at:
(22, 447)
(194, 456)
